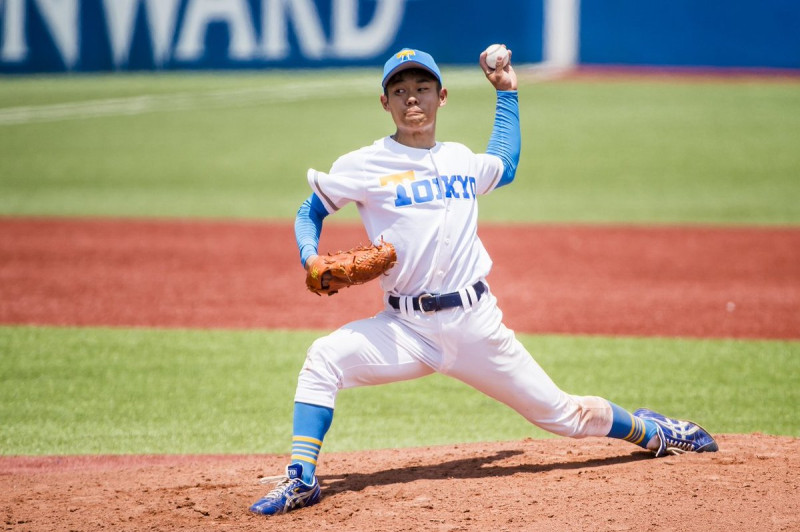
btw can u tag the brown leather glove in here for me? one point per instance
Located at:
(327, 274)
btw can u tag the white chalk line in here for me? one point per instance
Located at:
(184, 101)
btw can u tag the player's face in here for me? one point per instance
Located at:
(413, 98)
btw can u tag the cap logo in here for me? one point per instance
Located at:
(405, 55)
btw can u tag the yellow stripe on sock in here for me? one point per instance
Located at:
(304, 458)
(314, 448)
(633, 428)
(305, 452)
(642, 430)
(309, 457)
(307, 439)
(638, 431)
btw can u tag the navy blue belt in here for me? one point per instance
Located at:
(436, 302)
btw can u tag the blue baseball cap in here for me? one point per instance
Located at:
(408, 58)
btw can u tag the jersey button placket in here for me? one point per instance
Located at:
(442, 256)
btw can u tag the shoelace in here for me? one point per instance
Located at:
(272, 480)
(278, 491)
(684, 446)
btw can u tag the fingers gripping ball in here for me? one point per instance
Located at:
(494, 53)
(328, 274)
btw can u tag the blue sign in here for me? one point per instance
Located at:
(122, 35)
(108, 35)
(732, 33)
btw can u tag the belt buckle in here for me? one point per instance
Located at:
(422, 298)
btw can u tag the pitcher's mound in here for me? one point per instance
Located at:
(559, 484)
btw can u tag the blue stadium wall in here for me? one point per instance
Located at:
(713, 33)
(122, 35)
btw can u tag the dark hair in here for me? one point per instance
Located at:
(415, 71)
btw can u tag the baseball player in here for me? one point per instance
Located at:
(440, 315)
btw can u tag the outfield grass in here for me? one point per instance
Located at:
(92, 390)
(238, 145)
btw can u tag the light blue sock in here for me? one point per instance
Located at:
(626, 426)
(311, 423)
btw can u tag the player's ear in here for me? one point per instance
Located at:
(442, 97)
(385, 102)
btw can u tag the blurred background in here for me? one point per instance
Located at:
(122, 35)
(216, 108)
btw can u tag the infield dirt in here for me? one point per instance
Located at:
(564, 485)
(695, 282)
(614, 280)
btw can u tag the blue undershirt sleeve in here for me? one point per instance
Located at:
(308, 227)
(505, 141)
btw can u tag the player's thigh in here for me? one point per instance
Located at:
(513, 378)
(497, 364)
(372, 351)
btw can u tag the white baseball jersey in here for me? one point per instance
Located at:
(422, 201)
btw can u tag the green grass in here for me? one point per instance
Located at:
(93, 390)
(664, 153)
(238, 145)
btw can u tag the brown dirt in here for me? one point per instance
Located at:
(615, 280)
(696, 282)
(595, 484)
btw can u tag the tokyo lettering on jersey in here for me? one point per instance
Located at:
(424, 201)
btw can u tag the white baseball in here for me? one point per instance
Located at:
(495, 52)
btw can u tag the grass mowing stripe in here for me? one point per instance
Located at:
(77, 391)
(239, 146)
(136, 105)
(142, 391)
(304, 86)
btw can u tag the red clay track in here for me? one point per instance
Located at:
(614, 280)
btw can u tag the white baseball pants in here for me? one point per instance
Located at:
(469, 344)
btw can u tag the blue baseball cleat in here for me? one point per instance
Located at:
(678, 437)
(290, 493)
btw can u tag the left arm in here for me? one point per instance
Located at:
(505, 141)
